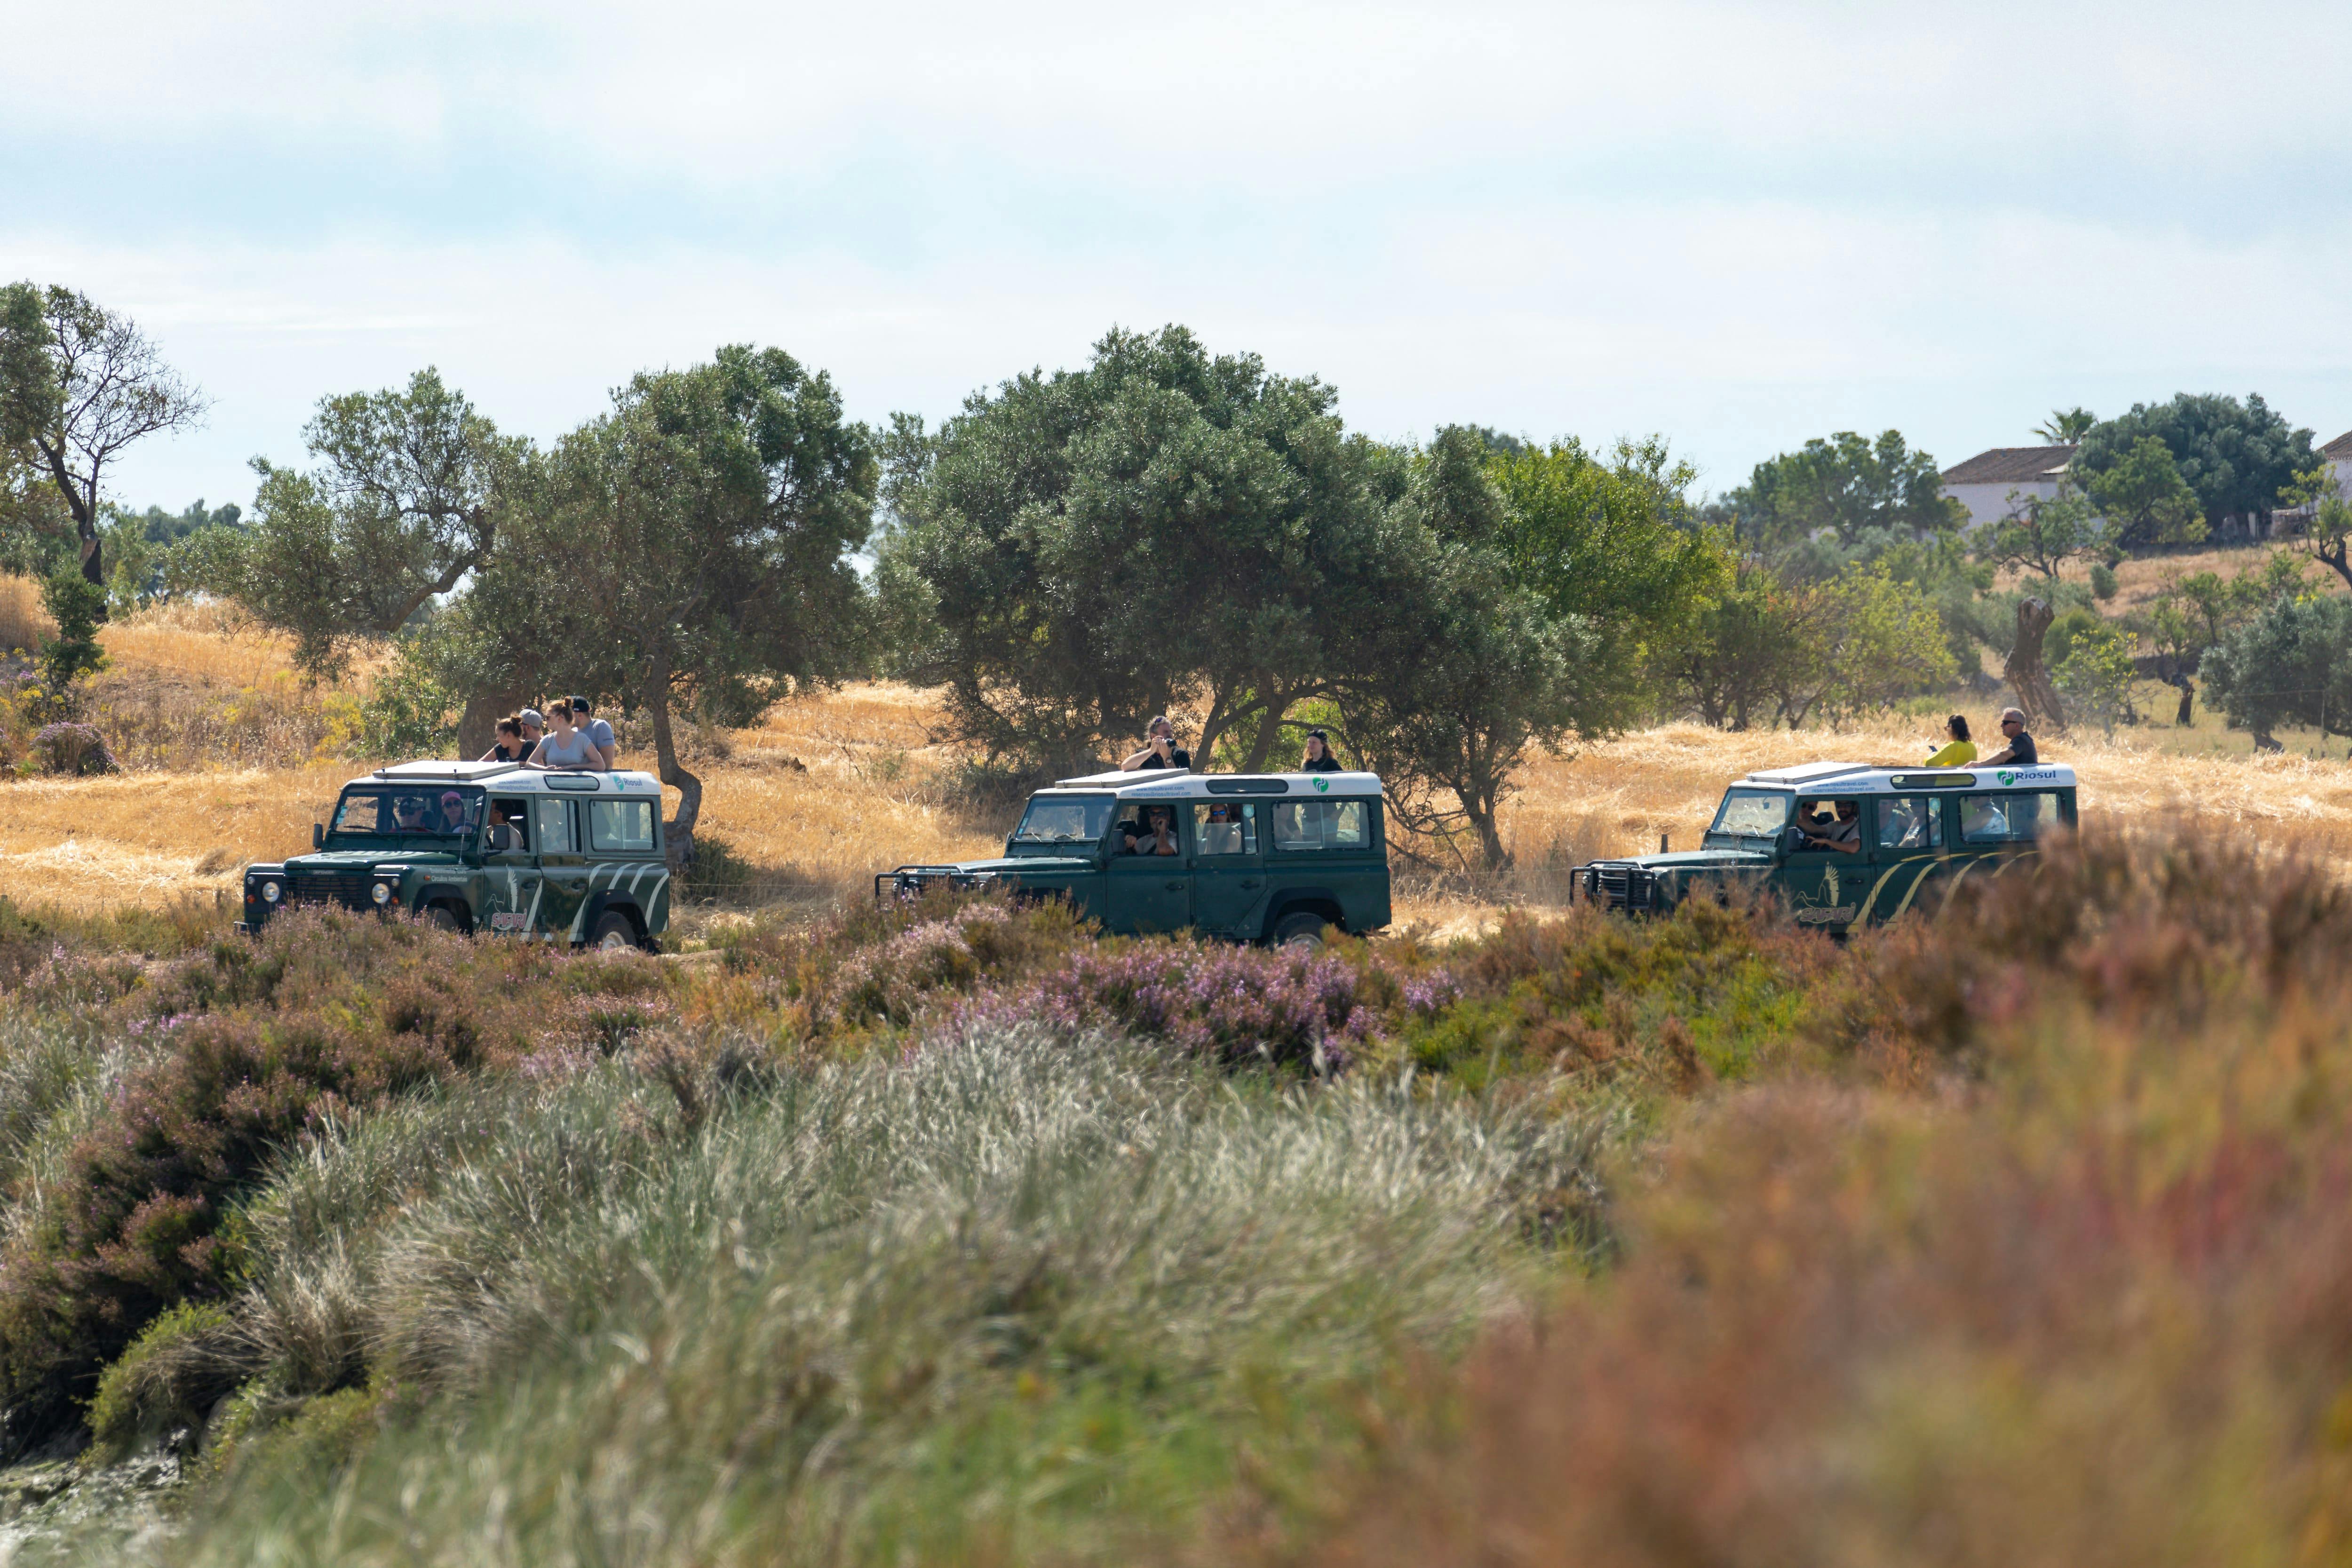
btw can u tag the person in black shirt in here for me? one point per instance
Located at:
(1161, 751)
(1319, 759)
(2021, 751)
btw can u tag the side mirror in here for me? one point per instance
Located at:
(317, 836)
(1792, 838)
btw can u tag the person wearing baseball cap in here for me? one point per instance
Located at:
(2021, 751)
(1319, 759)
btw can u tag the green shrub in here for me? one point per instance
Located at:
(79, 608)
(184, 1363)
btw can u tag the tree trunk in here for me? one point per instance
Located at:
(2023, 669)
(1269, 731)
(679, 831)
(477, 727)
(2188, 702)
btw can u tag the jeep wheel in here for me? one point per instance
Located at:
(1300, 933)
(443, 917)
(614, 934)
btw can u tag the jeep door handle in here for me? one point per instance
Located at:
(1175, 887)
(1249, 882)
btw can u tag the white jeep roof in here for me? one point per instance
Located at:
(1164, 783)
(512, 778)
(1868, 778)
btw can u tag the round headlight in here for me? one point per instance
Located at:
(382, 893)
(270, 891)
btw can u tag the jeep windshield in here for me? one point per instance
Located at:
(1748, 816)
(1064, 819)
(382, 816)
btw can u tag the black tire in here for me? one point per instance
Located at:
(1299, 933)
(614, 932)
(443, 917)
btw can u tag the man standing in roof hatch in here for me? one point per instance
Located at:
(2021, 751)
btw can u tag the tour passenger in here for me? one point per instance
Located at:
(566, 746)
(1222, 833)
(453, 812)
(1161, 751)
(2021, 751)
(1319, 759)
(533, 727)
(1156, 833)
(1843, 833)
(507, 827)
(1960, 751)
(599, 734)
(512, 746)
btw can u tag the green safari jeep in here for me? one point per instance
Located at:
(1845, 844)
(1260, 857)
(536, 854)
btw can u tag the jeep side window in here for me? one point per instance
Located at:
(2017, 818)
(1908, 822)
(1221, 829)
(550, 826)
(1321, 824)
(509, 827)
(621, 827)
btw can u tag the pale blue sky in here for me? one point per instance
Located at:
(1738, 226)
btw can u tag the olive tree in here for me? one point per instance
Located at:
(691, 546)
(1075, 552)
(78, 383)
(403, 503)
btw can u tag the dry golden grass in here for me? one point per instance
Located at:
(24, 625)
(830, 789)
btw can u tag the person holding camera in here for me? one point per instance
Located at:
(1161, 751)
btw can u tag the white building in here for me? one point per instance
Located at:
(1986, 482)
(2338, 453)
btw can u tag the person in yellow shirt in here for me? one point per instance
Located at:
(1961, 751)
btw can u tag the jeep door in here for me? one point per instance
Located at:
(624, 858)
(1997, 828)
(1824, 886)
(1907, 853)
(1228, 867)
(1148, 893)
(510, 879)
(564, 874)
(1331, 849)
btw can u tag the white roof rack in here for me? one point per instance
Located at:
(1866, 778)
(514, 778)
(1166, 784)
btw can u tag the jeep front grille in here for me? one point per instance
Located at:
(346, 888)
(1617, 886)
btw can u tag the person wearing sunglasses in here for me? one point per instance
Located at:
(2021, 751)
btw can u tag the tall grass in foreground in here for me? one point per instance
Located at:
(1024, 1295)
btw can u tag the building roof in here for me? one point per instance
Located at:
(1161, 784)
(2011, 466)
(509, 778)
(2338, 450)
(1867, 778)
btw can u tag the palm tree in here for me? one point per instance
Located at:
(2066, 427)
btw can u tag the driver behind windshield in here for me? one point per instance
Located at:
(408, 814)
(1841, 831)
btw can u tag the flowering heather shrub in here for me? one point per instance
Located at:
(76, 750)
(1235, 1006)
(255, 1044)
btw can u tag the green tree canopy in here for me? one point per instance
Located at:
(1846, 484)
(2146, 500)
(78, 383)
(692, 545)
(404, 502)
(2041, 533)
(2066, 425)
(2236, 457)
(1097, 545)
(2290, 664)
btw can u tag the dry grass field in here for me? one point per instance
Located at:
(223, 744)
